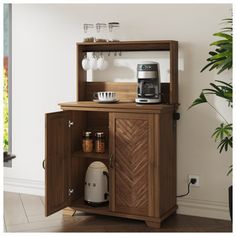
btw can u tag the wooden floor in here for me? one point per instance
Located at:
(25, 213)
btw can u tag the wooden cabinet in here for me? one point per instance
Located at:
(140, 146)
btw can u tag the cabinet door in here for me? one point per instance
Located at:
(57, 166)
(132, 150)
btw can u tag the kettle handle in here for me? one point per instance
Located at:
(107, 176)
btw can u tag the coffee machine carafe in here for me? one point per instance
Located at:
(149, 88)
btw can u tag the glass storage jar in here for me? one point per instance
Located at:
(99, 142)
(101, 35)
(89, 33)
(87, 142)
(114, 31)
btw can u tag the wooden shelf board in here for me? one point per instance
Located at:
(127, 42)
(121, 106)
(151, 45)
(80, 205)
(80, 153)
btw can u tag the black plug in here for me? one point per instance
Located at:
(193, 181)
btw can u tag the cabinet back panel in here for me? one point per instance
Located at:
(124, 91)
(77, 183)
(99, 121)
(79, 120)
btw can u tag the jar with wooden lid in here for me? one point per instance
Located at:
(87, 144)
(99, 142)
(101, 35)
(114, 31)
(89, 33)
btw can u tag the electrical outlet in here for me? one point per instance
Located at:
(197, 184)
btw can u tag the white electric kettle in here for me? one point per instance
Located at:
(96, 184)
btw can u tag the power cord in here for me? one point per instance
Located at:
(192, 181)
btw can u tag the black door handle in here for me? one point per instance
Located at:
(43, 164)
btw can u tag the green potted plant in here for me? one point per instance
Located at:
(221, 59)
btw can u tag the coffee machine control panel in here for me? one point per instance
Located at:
(147, 67)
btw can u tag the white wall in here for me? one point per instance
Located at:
(44, 73)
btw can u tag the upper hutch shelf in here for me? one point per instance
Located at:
(162, 45)
(127, 91)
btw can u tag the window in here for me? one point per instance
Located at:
(7, 82)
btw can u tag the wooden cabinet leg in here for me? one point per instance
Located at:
(153, 224)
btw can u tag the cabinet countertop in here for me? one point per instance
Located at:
(122, 106)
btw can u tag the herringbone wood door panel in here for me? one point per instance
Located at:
(131, 175)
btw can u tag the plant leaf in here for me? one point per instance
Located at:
(221, 58)
(220, 42)
(230, 169)
(225, 83)
(224, 144)
(199, 100)
(223, 35)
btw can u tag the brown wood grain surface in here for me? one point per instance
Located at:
(161, 45)
(131, 163)
(125, 91)
(57, 161)
(174, 74)
(166, 162)
(127, 107)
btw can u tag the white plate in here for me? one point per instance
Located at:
(111, 101)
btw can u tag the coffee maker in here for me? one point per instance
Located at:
(149, 87)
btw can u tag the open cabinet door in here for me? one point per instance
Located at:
(57, 166)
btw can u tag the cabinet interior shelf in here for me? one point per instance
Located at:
(81, 154)
(81, 204)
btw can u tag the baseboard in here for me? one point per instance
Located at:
(203, 208)
(24, 186)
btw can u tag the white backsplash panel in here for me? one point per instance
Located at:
(123, 68)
